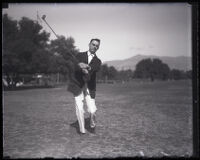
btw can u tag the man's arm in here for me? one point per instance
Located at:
(88, 70)
(77, 65)
(95, 66)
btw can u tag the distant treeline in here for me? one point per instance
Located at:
(145, 69)
(28, 51)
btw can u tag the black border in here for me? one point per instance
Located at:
(195, 80)
(100, 1)
(195, 55)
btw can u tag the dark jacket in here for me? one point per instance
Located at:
(76, 86)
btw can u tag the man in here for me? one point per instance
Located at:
(84, 84)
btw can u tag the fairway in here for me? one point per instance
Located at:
(133, 119)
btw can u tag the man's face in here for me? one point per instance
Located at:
(93, 46)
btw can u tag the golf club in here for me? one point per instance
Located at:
(43, 17)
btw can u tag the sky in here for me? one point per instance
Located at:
(125, 29)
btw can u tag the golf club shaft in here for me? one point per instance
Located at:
(50, 28)
(58, 38)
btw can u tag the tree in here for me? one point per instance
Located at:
(144, 69)
(125, 75)
(189, 74)
(61, 50)
(153, 69)
(178, 74)
(103, 73)
(24, 47)
(112, 72)
(31, 46)
(159, 70)
(10, 63)
(63, 47)
(165, 71)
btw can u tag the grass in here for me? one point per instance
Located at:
(134, 118)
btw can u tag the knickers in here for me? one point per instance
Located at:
(91, 108)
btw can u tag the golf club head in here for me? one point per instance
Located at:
(43, 17)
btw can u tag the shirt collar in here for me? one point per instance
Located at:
(90, 54)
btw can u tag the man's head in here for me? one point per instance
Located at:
(94, 45)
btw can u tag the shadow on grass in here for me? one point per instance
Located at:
(87, 126)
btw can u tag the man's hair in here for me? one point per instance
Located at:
(95, 39)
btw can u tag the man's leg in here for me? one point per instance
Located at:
(91, 109)
(80, 112)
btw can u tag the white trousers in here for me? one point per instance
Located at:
(79, 103)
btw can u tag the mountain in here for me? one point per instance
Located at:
(180, 62)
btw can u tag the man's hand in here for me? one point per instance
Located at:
(84, 67)
(85, 71)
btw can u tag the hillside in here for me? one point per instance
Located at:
(180, 62)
